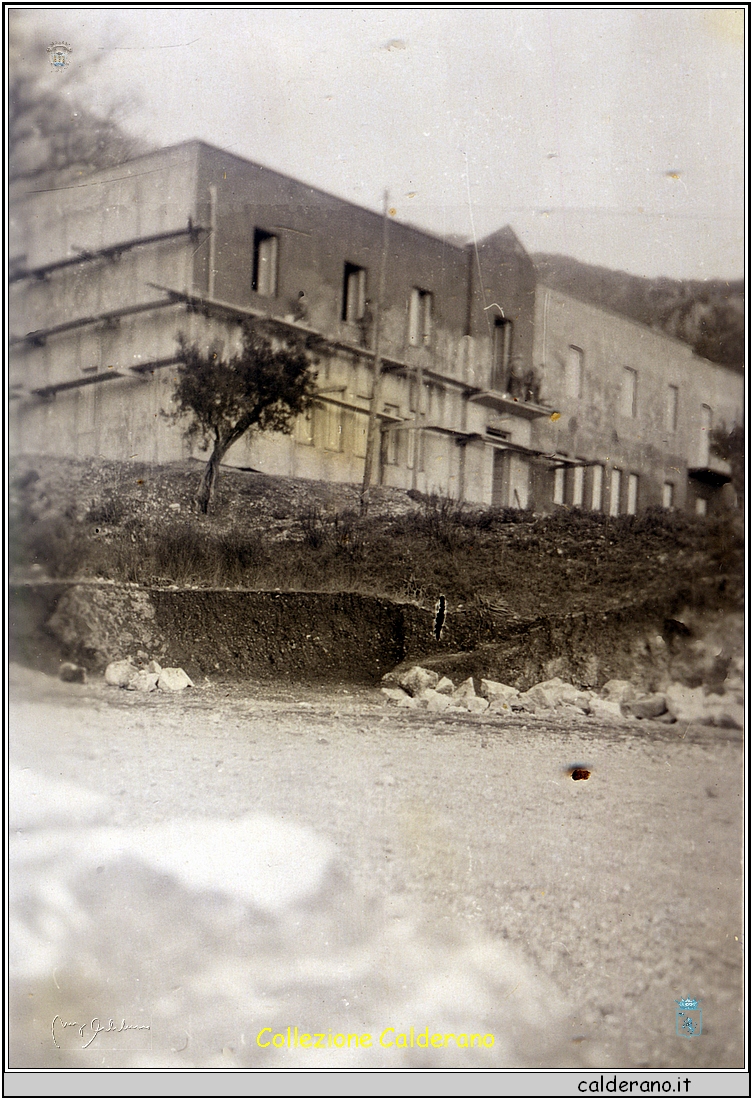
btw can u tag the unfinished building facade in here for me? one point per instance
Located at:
(109, 267)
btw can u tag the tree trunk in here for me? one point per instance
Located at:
(205, 495)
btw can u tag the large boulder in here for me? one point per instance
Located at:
(94, 623)
(120, 673)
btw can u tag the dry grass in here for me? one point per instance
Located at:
(126, 522)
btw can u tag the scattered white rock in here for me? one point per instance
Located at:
(618, 700)
(173, 679)
(144, 681)
(492, 690)
(464, 691)
(500, 705)
(433, 700)
(120, 673)
(154, 666)
(417, 679)
(607, 710)
(476, 705)
(546, 694)
(400, 698)
(445, 686)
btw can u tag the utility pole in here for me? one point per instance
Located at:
(418, 428)
(373, 433)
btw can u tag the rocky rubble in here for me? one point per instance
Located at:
(618, 700)
(126, 674)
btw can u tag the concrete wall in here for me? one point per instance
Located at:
(594, 423)
(120, 417)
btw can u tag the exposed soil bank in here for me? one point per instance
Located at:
(231, 633)
(327, 636)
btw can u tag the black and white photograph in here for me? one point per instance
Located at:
(376, 543)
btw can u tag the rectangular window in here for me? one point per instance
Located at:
(304, 428)
(558, 496)
(597, 487)
(629, 392)
(391, 435)
(673, 395)
(706, 422)
(632, 494)
(501, 354)
(614, 492)
(265, 264)
(578, 480)
(333, 429)
(668, 496)
(360, 432)
(354, 293)
(419, 317)
(574, 372)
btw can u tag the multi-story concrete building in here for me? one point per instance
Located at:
(477, 402)
(637, 408)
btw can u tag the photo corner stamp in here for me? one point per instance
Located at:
(60, 55)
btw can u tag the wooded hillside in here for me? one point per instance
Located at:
(707, 314)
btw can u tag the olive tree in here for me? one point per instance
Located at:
(261, 388)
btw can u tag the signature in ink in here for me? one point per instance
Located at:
(95, 1026)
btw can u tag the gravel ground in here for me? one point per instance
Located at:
(430, 871)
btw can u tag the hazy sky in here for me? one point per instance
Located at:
(614, 135)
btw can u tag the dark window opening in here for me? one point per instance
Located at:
(354, 293)
(264, 279)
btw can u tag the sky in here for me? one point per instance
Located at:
(616, 135)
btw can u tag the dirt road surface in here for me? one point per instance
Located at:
(197, 868)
